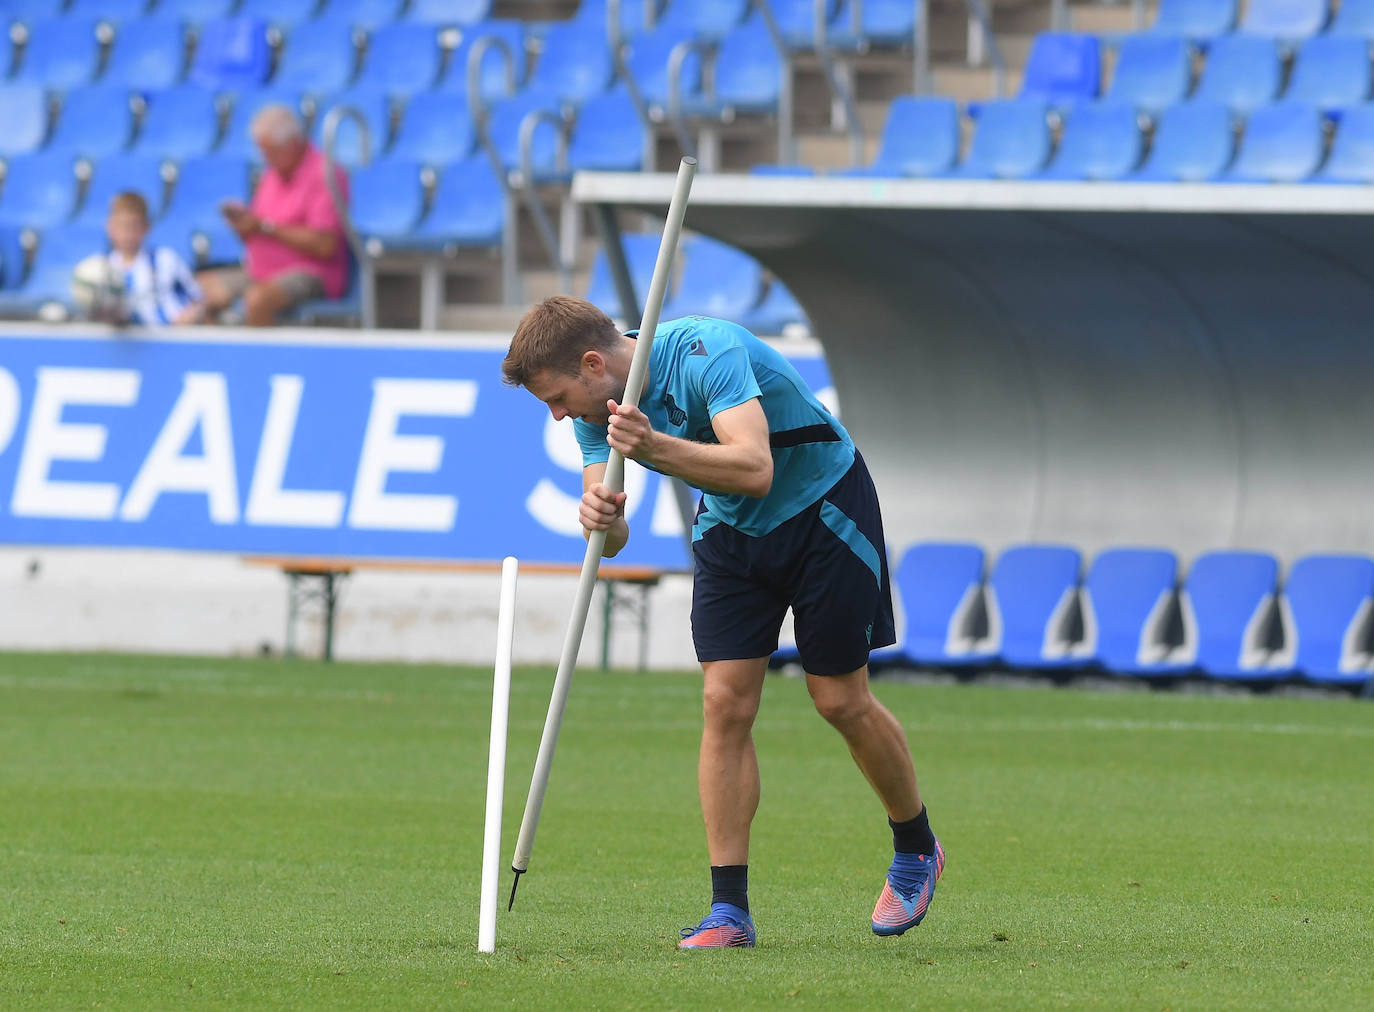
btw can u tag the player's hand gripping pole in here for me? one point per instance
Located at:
(596, 542)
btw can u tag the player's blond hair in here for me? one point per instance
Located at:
(554, 336)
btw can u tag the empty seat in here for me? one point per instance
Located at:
(115, 174)
(716, 280)
(648, 59)
(449, 12)
(283, 14)
(1351, 159)
(232, 54)
(1282, 144)
(13, 259)
(593, 12)
(1229, 614)
(940, 585)
(93, 122)
(1101, 141)
(575, 64)
(468, 208)
(1355, 17)
(797, 21)
(175, 235)
(386, 199)
(365, 14)
(504, 126)
(1331, 72)
(238, 135)
(881, 23)
(1242, 73)
(217, 245)
(202, 184)
(641, 252)
(147, 54)
(1198, 20)
(24, 111)
(1193, 142)
(1129, 600)
(60, 248)
(778, 311)
(1152, 71)
(195, 12)
(1063, 68)
(608, 135)
(435, 129)
(920, 138)
(348, 142)
(40, 190)
(1328, 601)
(179, 123)
(493, 74)
(1011, 141)
(748, 71)
(113, 11)
(401, 59)
(318, 58)
(1284, 19)
(61, 53)
(704, 19)
(1033, 600)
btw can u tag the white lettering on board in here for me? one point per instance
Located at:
(268, 503)
(555, 509)
(9, 408)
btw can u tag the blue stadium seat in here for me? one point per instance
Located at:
(282, 14)
(173, 234)
(576, 63)
(13, 259)
(1193, 142)
(238, 136)
(1032, 599)
(1243, 72)
(1228, 606)
(792, 169)
(180, 123)
(1101, 141)
(920, 138)
(1282, 144)
(41, 190)
(195, 12)
(449, 12)
(94, 121)
(365, 14)
(435, 129)
(710, 20)
(121, 172)
(1284, 19)
(593, 12)
(376, 111)
(1329, 602)
(1196, 20)
(232, 54)
(386, 199)
(647, 60)
(797, 21)
(202, 184)
(1331, 73)
(401, 59)
(940, 585)
(1152, 71)
(468, 209)
(1355, 17)
(503, 128)
(778, 310)
(61, 53)
(6, 49)
(885, 23)
(641, 252)
(318, 58)
(217, 245)
(147, 54)
(1063, 68)
(1128, 601)
(608, 135)
(748, 70)
(31, 10)
(1351, 160)
(113, 11)
(492, 77)
(60, 248)
(1011, 141)
(716, 280)
(24, 111)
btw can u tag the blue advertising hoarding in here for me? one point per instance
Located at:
(303, 444)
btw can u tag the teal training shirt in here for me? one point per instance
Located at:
(700, 366)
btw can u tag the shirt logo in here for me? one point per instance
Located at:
(675, 414)
(698, 348)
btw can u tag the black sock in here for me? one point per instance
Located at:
(730, 884)
(913, 836)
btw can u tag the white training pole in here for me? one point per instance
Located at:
(496, 758)
(596, 543)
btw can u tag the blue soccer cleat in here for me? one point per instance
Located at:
(906, 893)
(725, 927)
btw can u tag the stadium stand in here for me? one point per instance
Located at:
(1283, 144)
(284, 15)
(24, 109)
(201, 185)
(1011, 140)
(467, 210)
(94, 121)
(1351, 159)
(1033, 600)
(778, 312)
(716, 280)
(608, 135)
(364, 14)
(1152, 71)
(41, 190)
(107, 10)
(402, 59)
(232, 54)
(1355, 18)
(374, 107)
(50, 275)
(1063, 68)
(1331, 73)
(122, 172)
(387, 200)
(435, 130)
(1194, 142)
(318, 58)
(1284, 19)
(920, 138)
(147, 54)
(640, 253)
(449, 12)
(1101, 140)
(504, 60)
(195, 12)
(179, 123)
(1197, 20)
(1242, 73)
(61, 53)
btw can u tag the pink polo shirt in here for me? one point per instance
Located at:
(301, 199)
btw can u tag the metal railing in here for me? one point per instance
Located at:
(787, 142)
(367, 295)
(615, 40)
(839, 87)
(983, 45)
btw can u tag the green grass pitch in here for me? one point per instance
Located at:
(263, 833)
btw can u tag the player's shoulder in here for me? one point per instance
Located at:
(702, 337)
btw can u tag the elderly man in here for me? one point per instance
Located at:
(293, 238)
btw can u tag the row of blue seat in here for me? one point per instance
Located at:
(1231, 617)
(1281, 19)
(281, 13)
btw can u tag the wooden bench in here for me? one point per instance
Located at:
(320, 581)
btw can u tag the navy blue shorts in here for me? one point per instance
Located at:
(828, 564)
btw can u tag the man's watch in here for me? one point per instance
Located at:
(266, 227)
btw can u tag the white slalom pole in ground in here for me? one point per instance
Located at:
(496, 759)
(614, 479)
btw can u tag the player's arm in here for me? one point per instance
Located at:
(740, 464)
(603, 511)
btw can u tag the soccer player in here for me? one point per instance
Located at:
(788, 517)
